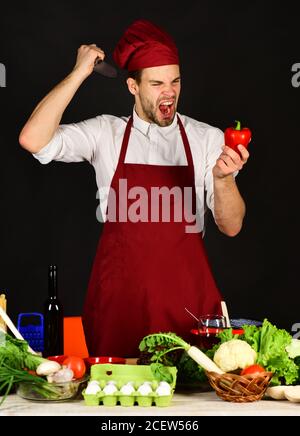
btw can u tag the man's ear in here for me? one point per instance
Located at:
(132, 86)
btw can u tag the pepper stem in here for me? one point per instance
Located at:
(238, 125)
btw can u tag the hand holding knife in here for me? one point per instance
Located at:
(105, 69)
(91, 58)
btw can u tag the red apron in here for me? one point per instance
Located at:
(146, 273)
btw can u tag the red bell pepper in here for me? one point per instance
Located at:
(235, 136)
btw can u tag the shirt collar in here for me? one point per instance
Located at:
(143, 126)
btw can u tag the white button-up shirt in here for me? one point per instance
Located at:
(98, 140)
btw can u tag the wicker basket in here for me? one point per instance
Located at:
(238, 388)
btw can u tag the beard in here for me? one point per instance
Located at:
(150, 112)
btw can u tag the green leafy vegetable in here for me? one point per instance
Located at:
(10, 377)
(171, 350)
(270, 343)
(276, 352)
(272, 353)
(171, 340)
(14, 353)
(160, 346)
(14, 359)
(189, 371)
(161, 372)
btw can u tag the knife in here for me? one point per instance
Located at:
(105, 69)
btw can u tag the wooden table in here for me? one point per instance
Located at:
(184, 403)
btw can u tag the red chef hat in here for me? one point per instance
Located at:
(145, 45)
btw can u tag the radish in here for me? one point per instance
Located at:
(156, 341)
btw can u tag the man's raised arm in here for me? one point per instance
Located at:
(45, 119)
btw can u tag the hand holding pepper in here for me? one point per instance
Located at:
(229, 206)
(235, 136)
(235, 153)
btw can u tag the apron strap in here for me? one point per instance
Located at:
(125, 141)
(185, 143)
(189, 158)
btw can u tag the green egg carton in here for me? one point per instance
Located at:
(145, 400)
(163, 400)
(122, 374)
(91, 399)
(127, 400)
(109, 400)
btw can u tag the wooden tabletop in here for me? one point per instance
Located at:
(183, 404)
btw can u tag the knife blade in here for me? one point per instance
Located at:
(105, 69)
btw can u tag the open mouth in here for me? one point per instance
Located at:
(167, 108)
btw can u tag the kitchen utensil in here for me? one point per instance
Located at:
(209, 326)
(217, 322)
(31, 327)
(3, 303)
(225, 313)
(74, 338)
(12, 328)
(192, 314)
(105, 69)
(238, 323)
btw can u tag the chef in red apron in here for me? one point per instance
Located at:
(162, 170)
(145, 273)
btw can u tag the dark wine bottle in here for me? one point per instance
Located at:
(53, 318)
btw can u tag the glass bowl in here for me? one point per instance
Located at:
(52, 391)
(206, 339)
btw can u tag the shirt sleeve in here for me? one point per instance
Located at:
(215, 141)
(74, 142)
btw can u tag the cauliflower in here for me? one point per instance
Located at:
(234, 354)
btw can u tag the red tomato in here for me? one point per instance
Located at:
(252, 369)
(76, 364)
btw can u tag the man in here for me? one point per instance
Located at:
(147, 268)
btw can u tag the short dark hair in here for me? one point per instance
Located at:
(136, 75)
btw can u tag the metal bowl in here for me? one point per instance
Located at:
(238, 323)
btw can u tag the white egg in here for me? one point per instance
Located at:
(110, 388)
(145, 388)
(92, 388)
(127, 389)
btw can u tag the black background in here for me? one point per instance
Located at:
(236, 59)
